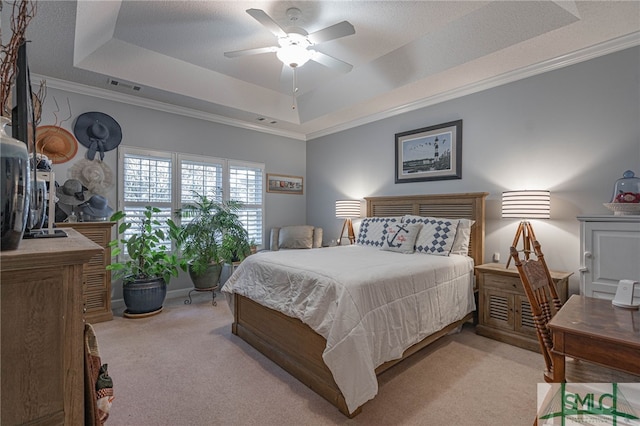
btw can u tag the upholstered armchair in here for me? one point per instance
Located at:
(295, 237)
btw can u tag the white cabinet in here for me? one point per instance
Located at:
(610, 251)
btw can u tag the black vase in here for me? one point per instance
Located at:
(144, 296)
(15, 189)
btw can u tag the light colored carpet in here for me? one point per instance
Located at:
(184, 367)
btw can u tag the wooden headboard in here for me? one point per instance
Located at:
(451, 206)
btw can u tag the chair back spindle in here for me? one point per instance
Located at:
(542, 295)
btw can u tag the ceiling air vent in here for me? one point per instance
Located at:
(125, 85)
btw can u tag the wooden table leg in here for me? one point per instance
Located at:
(558, 367)
(558, 358)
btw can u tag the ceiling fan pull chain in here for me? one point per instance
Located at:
(295, 89)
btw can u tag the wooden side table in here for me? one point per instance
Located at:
(504, 312)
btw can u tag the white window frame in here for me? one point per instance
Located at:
(176, 187)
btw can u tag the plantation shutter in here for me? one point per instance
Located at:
(246, 185)
(204, 178)
(147, 181)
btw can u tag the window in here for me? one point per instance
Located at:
(147, 180)
(245, 185)
(168, 181)
(203, 177)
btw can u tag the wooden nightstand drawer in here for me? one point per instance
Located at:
(502, 282)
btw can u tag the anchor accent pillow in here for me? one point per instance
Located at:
(436, 236)
(402, 237)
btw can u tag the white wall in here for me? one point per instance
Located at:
(157, 130)
(573, 131)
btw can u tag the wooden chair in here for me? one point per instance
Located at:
(543, 298)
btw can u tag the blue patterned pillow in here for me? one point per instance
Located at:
(436, 236)
(402, 237)
(374, 230)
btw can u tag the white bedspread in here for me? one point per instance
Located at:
(370, 305)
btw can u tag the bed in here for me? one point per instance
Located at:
(315, 338)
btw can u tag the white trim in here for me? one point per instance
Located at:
(586, 54)
(611, 46)
(82, 89)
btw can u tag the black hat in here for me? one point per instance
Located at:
(98, 132)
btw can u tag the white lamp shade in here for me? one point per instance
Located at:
(346, 209)
(526, 204)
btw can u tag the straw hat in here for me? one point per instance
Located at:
(56, 143)
(94, 174)
(98, 132)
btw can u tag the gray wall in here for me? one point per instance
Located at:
(573, 131)
(153, 129)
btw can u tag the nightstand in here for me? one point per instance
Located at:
(504, 312)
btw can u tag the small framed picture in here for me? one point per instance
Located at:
(430, 153)
(285, 184)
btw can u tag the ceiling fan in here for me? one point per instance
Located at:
(295, 44)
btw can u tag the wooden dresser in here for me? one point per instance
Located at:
(41, 314)
(97, 280)
(504, 312)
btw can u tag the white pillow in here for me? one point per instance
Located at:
(373, 230)
(317, 237)
(436, 236)
(296, 237)
(402, 237)
(463, 234)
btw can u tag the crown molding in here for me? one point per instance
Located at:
(82, 89)
(611, 46)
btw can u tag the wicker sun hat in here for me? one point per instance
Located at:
(56, 143)
(95, 175)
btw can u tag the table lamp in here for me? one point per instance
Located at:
(525, 205)
(347, 210)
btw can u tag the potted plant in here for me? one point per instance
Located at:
(211, 235)
(149, 266)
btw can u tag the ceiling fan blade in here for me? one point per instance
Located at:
(260, 16)
(331, 62)
(246, 52)
(333, 32)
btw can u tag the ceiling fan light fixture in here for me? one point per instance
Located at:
(293, 49)
(293, 55)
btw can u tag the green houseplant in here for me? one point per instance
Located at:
(149, 266)
(211, 235)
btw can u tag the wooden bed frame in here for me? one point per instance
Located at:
(298, 349)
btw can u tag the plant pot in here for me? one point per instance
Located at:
(209, 279)
(144, 297)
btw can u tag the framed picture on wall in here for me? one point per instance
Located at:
(285, 184)
(430, 153)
